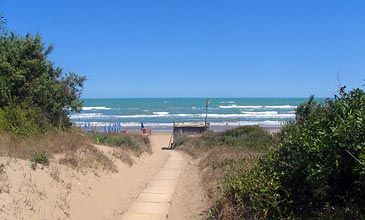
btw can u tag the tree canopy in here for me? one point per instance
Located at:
(29, 80)
(2, 21)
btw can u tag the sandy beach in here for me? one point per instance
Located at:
(59, 192)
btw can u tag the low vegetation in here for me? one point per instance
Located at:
(315, 169)
(248, 138)
(135, 143)
(224, 154)
(125, 145)
(40, 158)
(70, 147)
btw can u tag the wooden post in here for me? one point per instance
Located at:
(206, 112)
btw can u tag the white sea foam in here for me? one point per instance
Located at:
(240, 106)
(260, 113)
(125, 124)
(257, 106)
(250, 115)
(86, 115)
(161, 113)
(281, 106)
(271, 114)
(241, 123)
(266, 115)
(103, 116)
(229, 102)
(164, 124)
(88, 108)
(243, 115)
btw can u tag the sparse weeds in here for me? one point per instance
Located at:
(123, 156)
(4, 180)
(55, 174)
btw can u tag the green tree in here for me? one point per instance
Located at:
(2, 22)
(28, 78)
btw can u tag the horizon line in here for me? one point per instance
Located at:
(201, 97)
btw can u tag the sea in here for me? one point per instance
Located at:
(161, 113)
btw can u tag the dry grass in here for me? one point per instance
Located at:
(123, 155)
(4, 180)
(220, 152)
(126, 146)
(75, 149)
(71, 148)
(135, 143)
(225, 153)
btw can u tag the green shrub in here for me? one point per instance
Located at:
(318, 169)
(39, 157)
(19, 121)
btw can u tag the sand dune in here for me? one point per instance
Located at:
(60, 192)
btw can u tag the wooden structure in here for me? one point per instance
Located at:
(181, 130)
(184, 129)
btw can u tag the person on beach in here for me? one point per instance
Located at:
(142, 126)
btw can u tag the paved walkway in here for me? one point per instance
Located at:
(153, 203)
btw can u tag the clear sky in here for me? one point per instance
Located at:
(201, 48)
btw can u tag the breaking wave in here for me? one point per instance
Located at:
(258, 106)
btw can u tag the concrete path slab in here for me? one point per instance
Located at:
(159, 183)
(155, 197)
(159, 190)
(149, 207)
(155, 200)
(139, 216)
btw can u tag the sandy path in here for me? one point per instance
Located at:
(189, 201)
(60, 192)
(175, 193)
(155, 200)
(111, 198)
(168, 177)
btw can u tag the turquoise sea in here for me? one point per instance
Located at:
(161, 113)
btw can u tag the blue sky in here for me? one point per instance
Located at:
(201, 48)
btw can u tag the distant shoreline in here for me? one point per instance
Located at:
(216, 128)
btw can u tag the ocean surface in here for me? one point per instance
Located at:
(161, 113)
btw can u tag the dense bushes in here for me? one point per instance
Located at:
(21, 120)
(34, 94)
(317, 170)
